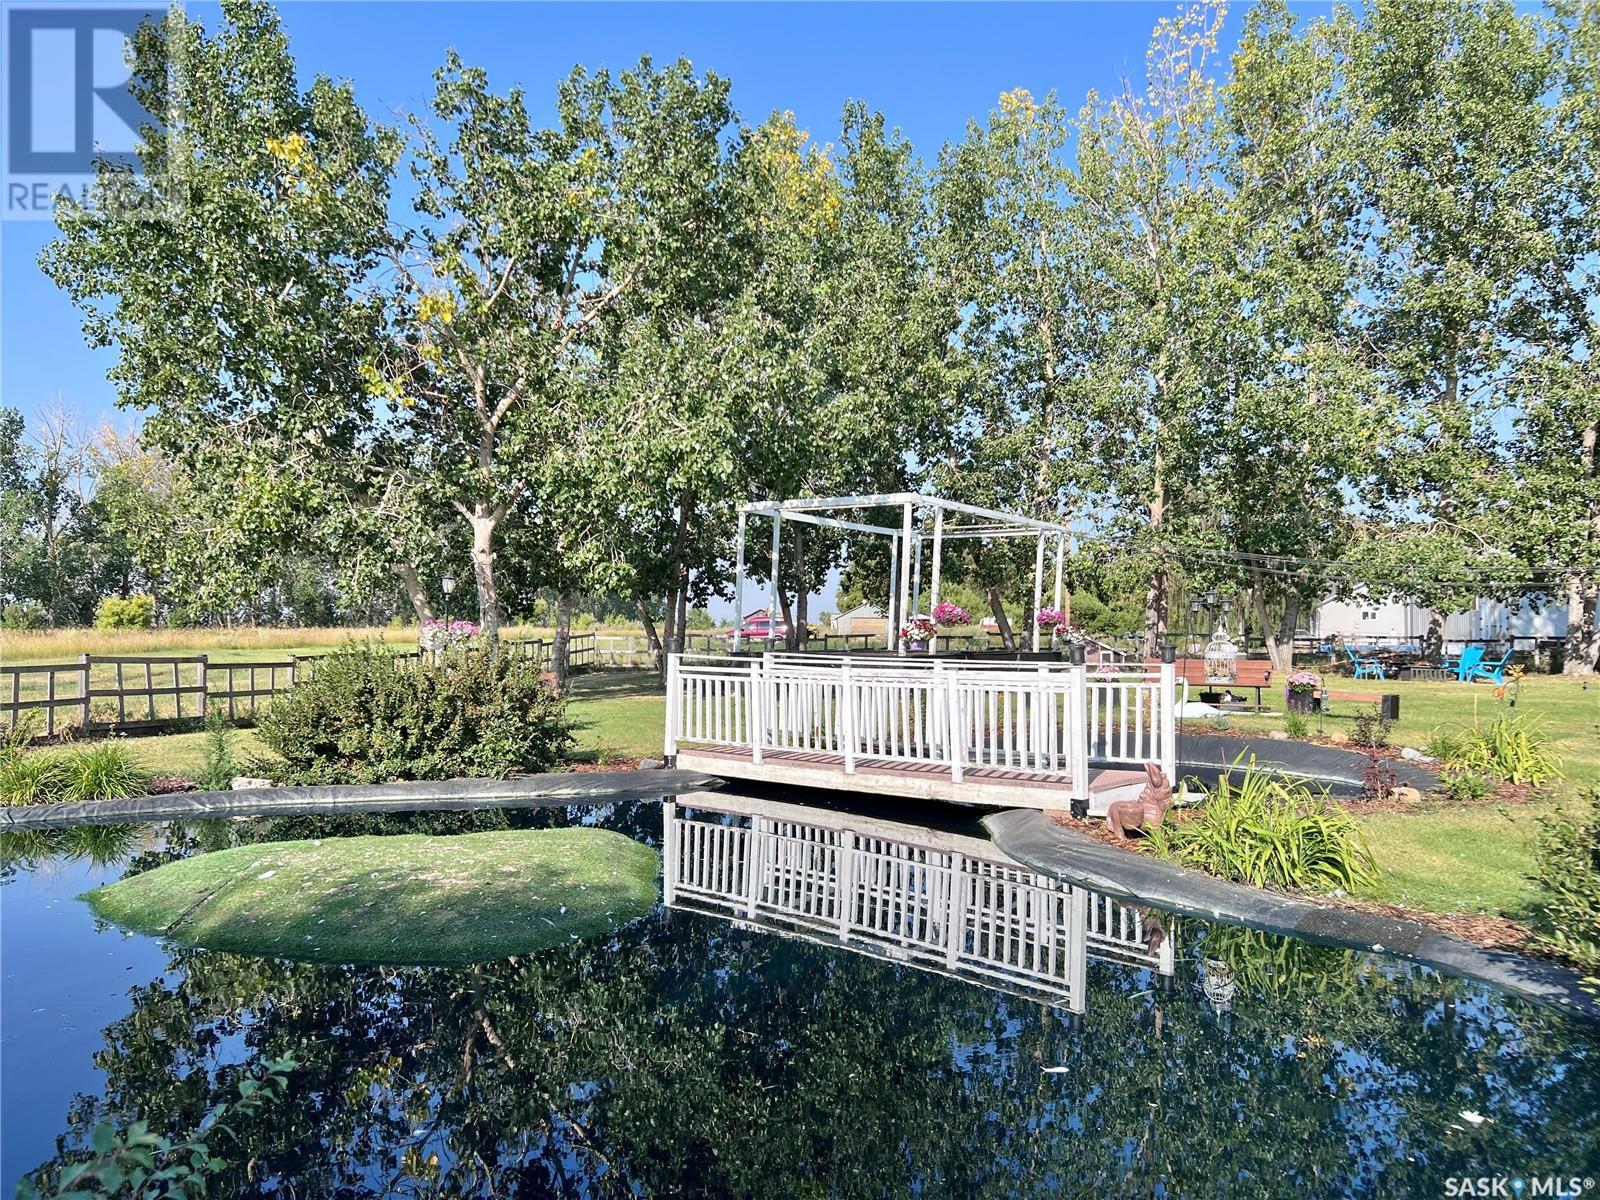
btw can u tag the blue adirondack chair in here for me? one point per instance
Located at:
(1494, 672)
(1471, 656)
(1366, 668)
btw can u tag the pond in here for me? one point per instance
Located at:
(1067, 1045)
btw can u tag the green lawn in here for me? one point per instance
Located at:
(1448, 858)
(1442, 858)
(621, 714)
(393, 899)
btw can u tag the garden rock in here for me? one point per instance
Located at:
(1406, 795)
(1412, 754)
(248, 783)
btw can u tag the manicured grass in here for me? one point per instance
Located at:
(1456, 860)
(184, 753)
(406, 899)
(622, 714)
(1450, 858)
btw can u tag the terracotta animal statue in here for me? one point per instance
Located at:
(1149, 810)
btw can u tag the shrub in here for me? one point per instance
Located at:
(136, 612)
(1297, 724)
(1464, 787)
(1370, 728)
(40, 777)
(105, 771)
(23, 614)
(218, 765)
(1446, 744)
(1513, 746)
(1268, 831)
(362, 718)
(1378, 781)
(1567, 865)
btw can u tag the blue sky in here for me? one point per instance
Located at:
(928, 67)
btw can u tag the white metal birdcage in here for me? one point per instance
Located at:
(1221, 656)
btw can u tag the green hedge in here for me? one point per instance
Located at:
(363, 718)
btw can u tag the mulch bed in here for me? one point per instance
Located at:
(166, 785)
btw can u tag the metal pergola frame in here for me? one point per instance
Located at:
(950, 518)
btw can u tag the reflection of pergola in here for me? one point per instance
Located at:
(949, 518)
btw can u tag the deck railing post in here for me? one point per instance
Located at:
(1167, 697)
(1077, 733)
(846, 894)
(758, 708)
(670, 843)
(674, 706)
(958, 736)
(1043, 759)
(847, 718)
(755, 865)
(1077, 949)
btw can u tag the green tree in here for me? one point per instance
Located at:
(1462, 204)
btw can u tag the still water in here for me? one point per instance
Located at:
(801, 1020)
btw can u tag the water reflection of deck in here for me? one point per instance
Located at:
(935, 900)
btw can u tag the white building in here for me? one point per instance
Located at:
(863, 618)
(1395, 621)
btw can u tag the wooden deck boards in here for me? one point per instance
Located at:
(979, 785)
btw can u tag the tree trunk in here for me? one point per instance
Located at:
(412, 583)
(1007, 638)
(1582, 656)
(796, 619)
(649, 627)
(669, 624)
(1433, 640)
(560, 661)
(1278, 635)
(485, 522)
(1582, 650)
(1155, 611)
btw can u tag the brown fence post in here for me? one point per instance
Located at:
(83, 691)
(205, 686)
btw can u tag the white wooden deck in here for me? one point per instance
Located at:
(973, 732)
(934, 900)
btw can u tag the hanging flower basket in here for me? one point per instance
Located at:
(918, 631)
(1050, 618)
(947, 614)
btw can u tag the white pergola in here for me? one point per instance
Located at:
(929, 519)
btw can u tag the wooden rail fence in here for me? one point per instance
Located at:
(104, 693)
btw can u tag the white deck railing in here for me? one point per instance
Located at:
(945, 903)
(1050, 719)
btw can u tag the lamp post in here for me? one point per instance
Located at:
(1194, 620)
(448, 582)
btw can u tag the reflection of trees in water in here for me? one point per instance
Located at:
(689, 1057)
(102, 845)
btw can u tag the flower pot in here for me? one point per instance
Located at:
(1302, 702)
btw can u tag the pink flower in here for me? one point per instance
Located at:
(945, 613)
(1050, 618)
